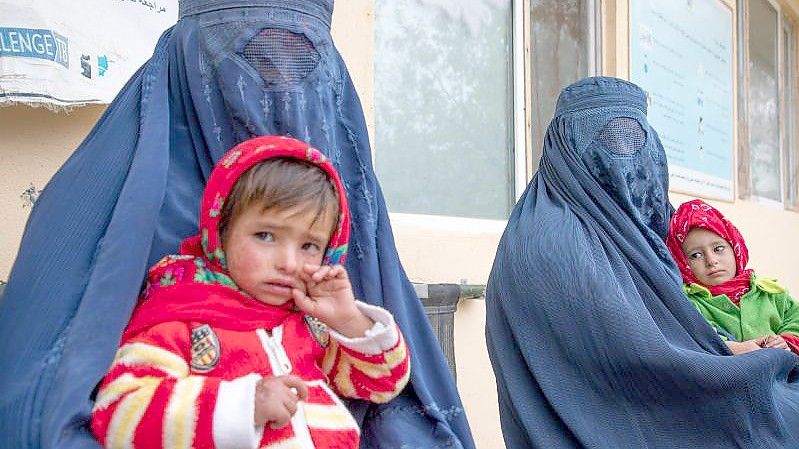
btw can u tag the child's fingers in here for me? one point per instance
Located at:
(302, 301)
(338, 272)
(776, 342)
(283, 417)
(321, 274)
(305, 277)
(299, 386)
(292, 404)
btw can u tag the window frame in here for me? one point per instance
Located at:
(789, 112)
(519, 50)
(785, 21)
(418, 220)
(522, 55)
(417, 235)
(521, 156)
(598, 44)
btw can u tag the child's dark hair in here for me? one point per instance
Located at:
(281, 183)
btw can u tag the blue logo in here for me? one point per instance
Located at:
(34, 43)
(102, 65)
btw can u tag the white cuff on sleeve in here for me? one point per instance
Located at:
(234, 414)
(380, 338)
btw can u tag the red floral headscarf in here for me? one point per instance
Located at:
(240, 159)
(195, 285)
(698, 214)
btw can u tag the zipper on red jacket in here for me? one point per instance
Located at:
(281, 365)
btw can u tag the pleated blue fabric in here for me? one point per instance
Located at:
(227, 71)
(593, 343)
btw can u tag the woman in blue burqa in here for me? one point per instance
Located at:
(227, 71)
(593, 343)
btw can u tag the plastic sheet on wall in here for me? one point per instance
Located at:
(60, 53)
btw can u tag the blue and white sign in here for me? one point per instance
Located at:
(681, 55)
(42, 44)
(64, 53)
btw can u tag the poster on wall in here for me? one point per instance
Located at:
(681, 54)
(60, 53)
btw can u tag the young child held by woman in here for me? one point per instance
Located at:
(712, 257)
(247, 338)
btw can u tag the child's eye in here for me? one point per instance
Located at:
(312, 247)
(695, 256)
(719, 248)
(264, 236)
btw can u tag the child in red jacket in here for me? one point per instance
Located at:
(247, 337)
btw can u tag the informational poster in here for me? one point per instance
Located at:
(681, 55)
(65, 52)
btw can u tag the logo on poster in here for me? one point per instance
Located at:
(34, 43)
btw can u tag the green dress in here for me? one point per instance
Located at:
(766, 309)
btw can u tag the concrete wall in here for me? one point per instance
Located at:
(34, 143)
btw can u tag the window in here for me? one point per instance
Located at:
(768, 157)
(444, 102)
(764, 101)
(564, 36)
(450, 93)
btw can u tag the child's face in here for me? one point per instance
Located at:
(266, 250)
(710, 257)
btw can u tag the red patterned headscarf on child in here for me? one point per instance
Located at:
(240, 159)
(195, 285)
(698, 214)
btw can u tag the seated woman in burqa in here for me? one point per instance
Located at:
(591, 338)
(227, 71)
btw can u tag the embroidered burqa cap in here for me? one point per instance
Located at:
(591, 338)
(229, 70)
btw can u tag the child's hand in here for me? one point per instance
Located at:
(742, 347)
(330, 299)
(276, 399)
(775, 341)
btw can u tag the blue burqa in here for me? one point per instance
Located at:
(227, 71)
(591, 339)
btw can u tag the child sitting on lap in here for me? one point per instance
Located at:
(247, 337)
(712, 257)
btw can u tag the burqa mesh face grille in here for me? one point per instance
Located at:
(623, 136)
(281, 57)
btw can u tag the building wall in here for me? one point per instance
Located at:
(35, 142)
(433, 249)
